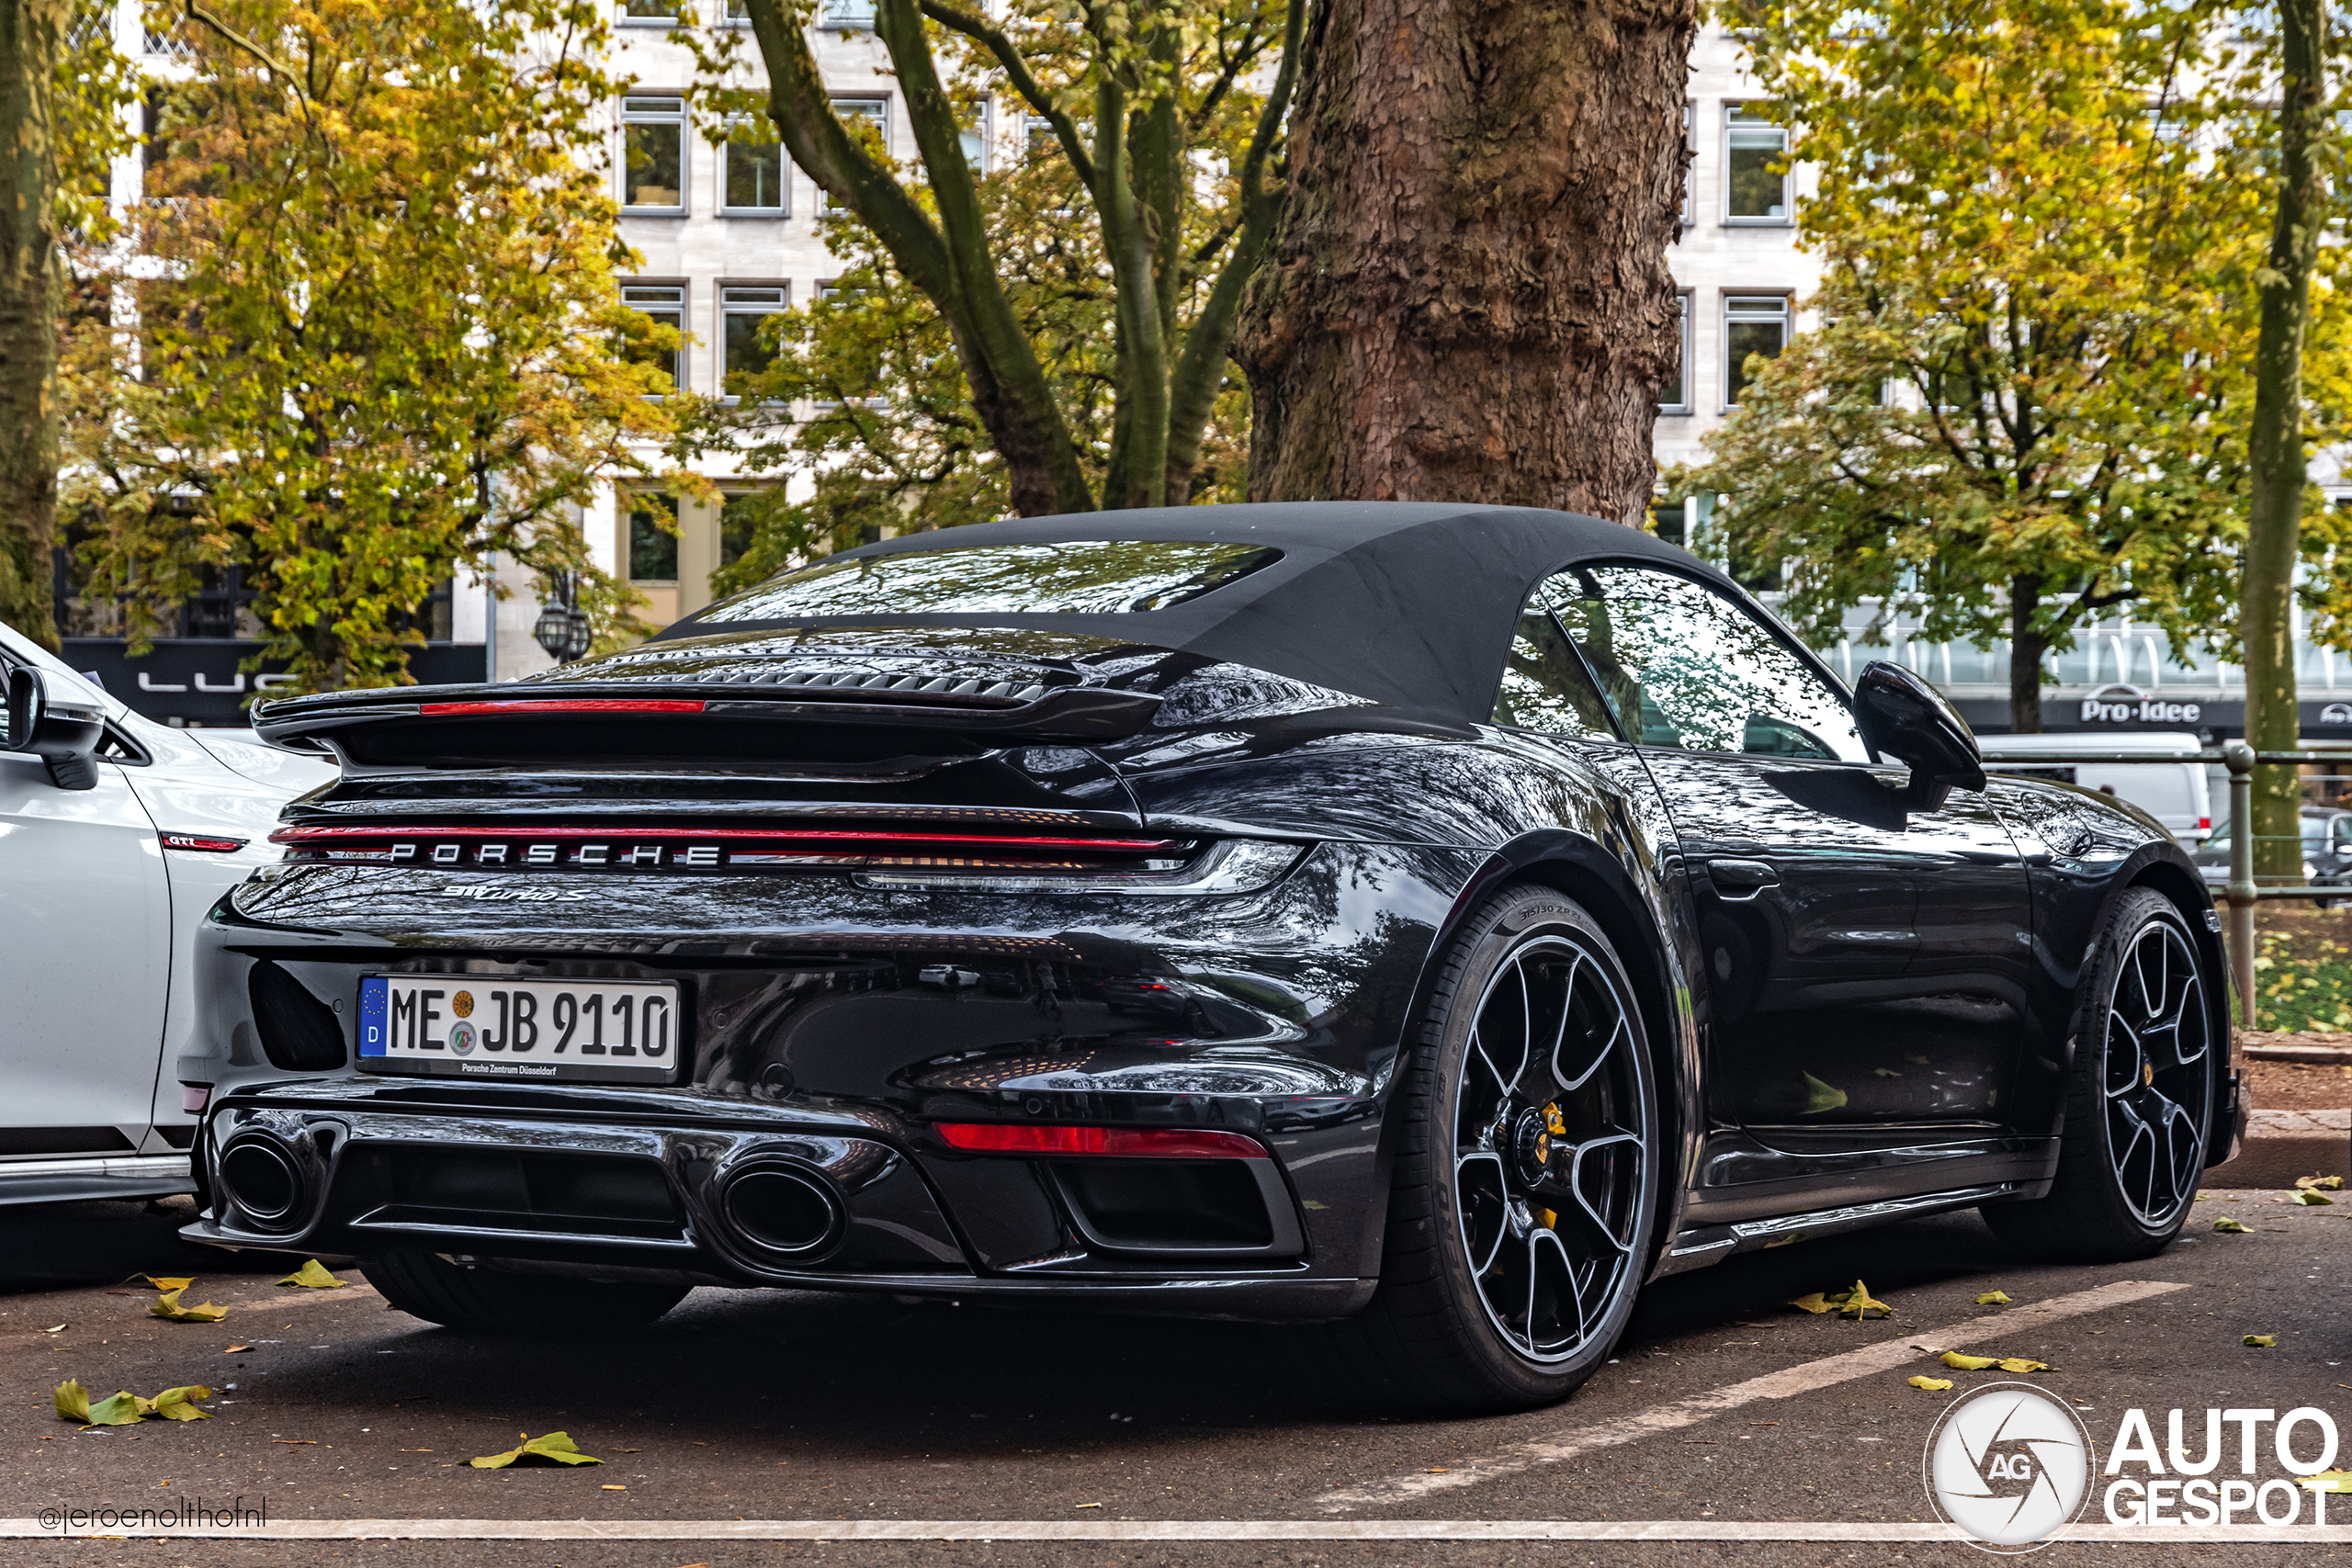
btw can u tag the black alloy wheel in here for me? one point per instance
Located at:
(1528, 1168)
(2139, 1109)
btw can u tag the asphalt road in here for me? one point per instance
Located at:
(767, 1405)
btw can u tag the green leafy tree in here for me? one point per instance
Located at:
(378, 337)
(2303, 209)
(2026, 403)
(1088, 307)
(62, 90)
(892, 441)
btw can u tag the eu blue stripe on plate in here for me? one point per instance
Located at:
(373, 995)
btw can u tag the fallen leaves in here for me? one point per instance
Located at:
(124, 1408)
(2307, 1198)
(2260, 1341)
(236, 1349)
(1932, 1385)
(1994, 1299)
(1959, 1362)
(2319, 1184)
(1856, 1303)
(2229, 1227)
(2328, 1481)
(314, 1275)
(556, 1448)
(167, 1305)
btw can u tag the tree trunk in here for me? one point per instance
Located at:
(32, 34)
(1468, 297)
(2274, 517)
(2027, 648)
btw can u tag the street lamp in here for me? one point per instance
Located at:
(563, 626)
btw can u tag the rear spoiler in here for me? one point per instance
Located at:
(990, 712)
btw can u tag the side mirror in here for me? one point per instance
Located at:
(59, 727)
(1903, 716)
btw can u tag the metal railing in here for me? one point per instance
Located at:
(2242, 892)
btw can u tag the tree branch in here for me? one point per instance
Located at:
(1016, 70)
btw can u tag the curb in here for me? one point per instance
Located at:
(2283, 1144)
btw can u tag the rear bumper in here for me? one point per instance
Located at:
(766, 1198)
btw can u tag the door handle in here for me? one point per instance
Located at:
(1740, 880)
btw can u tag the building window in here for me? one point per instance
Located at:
(1753, 324)
(655, 13)
(857, 115)
(752, 176)
(664, 304)
(1674, 393)
(738, 521)
(745, 351)
(974, 139)
(1756, 181)
(739, 14)
(848, 15)
(652, 541)
(1691, 163)
(653, 155)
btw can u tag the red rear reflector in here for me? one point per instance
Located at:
(2204, 824)
(204, 842)
(565, 704)
(1166, 1143)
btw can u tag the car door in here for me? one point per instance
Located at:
(1865, 960)
(85, 960)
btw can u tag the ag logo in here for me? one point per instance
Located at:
(2008, 1464)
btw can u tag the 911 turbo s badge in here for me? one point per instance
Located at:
(516, 895)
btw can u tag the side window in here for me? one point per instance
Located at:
(1545, 686)
(1684, 667)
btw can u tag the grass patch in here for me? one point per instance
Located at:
(2302, 975)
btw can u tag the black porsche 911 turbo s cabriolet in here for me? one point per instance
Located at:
(1439, 919)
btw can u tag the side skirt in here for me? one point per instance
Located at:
(1700, 1244)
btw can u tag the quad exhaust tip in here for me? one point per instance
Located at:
(779, 1211)
(260, 1174)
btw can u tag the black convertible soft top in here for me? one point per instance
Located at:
(1408, 604)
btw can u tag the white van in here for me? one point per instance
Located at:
(2176, 794)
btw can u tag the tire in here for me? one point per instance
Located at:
(1490, 1297)
(489, 1300)
(2140, 1100)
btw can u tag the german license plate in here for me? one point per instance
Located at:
(495, 1026)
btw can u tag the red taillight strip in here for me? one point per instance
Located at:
(1162, 1143)
(325, 833)
(563, 704)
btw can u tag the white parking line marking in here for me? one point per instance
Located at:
(1884, 1356)
(848, 1530)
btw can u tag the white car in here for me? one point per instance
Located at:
(116, 835)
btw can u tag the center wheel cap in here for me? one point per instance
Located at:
(1531, 1145)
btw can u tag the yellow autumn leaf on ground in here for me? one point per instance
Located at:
(169, 1282)
(167, 1307)
(2328, 1481)
(2319, 1184)
(556, 1448)
(313, 1275)
(2228, 1226)
(1959, 1362)
(1932, 1385)
(178, 1403)
(124, 1408)
(2262, 1341)
(1856, 1303)
(2310, 1200)
(1994, 1299)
